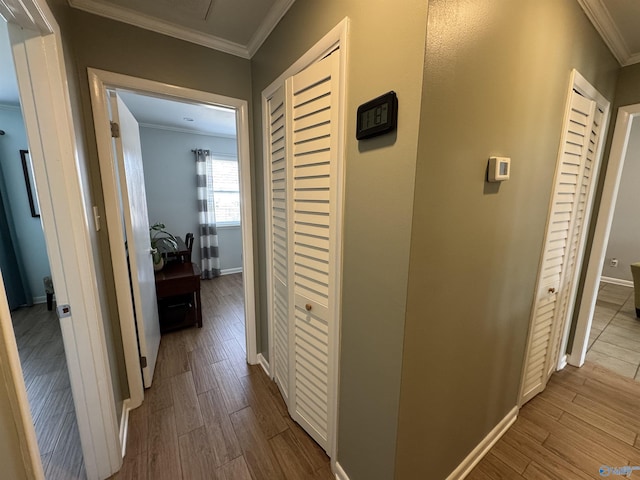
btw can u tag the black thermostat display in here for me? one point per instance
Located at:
(377, 116)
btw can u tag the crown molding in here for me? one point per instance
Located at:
(606, 27)
(137, 19)
(185, 130)
(279, 9)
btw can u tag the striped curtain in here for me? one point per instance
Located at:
(209, 255)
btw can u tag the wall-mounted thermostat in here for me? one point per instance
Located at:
(377, 116)
(499, 169)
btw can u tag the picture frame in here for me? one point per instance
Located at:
(29, 179)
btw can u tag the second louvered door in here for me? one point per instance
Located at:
(312, 150)
(279, 303)
(563, 242)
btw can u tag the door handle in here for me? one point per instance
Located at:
(153, 251)
(308, 307)
(552, 290)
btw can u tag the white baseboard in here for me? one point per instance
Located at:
(230, 271)
(563, 362)
(617, 281)
(484, 446)
(124, 425)
(264, 364)
(39, 300)
(339, 472)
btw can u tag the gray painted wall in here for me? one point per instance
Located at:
(28, 230)
(624, 240)
(170, 175)
(496, 80)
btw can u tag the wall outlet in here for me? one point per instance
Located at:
(613, 262)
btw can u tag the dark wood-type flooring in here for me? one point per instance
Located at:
(44, 368)
(209, 415)
(585, 420)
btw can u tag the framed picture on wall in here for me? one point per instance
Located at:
(32, 193)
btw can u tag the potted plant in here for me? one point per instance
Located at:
(161, 242)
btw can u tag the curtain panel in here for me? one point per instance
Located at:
(209, 254)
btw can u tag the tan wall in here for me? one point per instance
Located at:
(496, 79)
(386, 53)
(92, 41)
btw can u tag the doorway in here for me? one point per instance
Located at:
(133, 88)
(627, 119)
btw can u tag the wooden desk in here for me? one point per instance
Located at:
(174, 281)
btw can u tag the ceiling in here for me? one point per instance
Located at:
(180, 116)
(618, 23)
(238, 27)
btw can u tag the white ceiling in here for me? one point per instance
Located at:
(618, 22)
(238, 27)
(173, 115)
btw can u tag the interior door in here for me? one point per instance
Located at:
(564, 241)
(279, 303)
(313, 151)
(138, 243)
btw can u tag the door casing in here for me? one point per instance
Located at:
(100, 82)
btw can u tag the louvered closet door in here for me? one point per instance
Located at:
(312, 102)
(279, 241)
(562, 242)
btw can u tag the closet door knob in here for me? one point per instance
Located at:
(552, 290)
(308, 307)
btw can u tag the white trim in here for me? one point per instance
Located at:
(606, 27)
(140, 20)
(484, 446)
(39, 300)
(617, 281)
(619, 145)
(186, 130)
(124, 425)
(154, 24)
(46, 110)
(264, 364)
(336, 38)
(339, 472)
(100, 81)
(13, 108)
(562, 362)
(231, 271)
(278, 10)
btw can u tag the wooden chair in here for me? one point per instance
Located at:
(188, 240)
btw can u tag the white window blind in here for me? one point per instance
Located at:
(224, 199)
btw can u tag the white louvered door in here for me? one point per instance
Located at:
(564, 242)
(279, 240)
(312, 106)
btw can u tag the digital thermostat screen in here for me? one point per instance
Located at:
(377, 116)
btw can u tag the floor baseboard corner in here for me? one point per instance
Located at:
(264, 364)
(484, 446)
(339, 472)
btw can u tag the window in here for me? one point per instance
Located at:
(222, 173)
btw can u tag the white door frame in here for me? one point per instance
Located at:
(336, 38)
(100, 81)
(46, 107)
(624, 121)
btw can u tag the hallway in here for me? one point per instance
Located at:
(209, 415)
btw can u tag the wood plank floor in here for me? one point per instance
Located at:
(585, 420)
(209, 415)
(44, 367)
